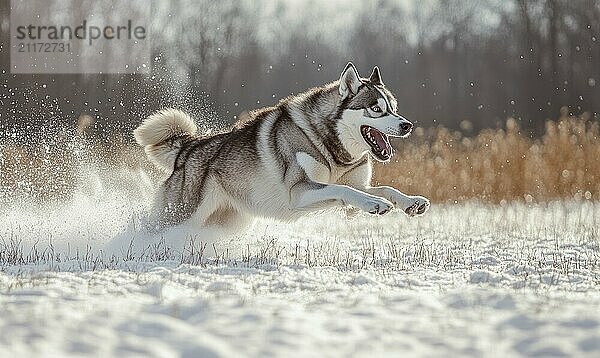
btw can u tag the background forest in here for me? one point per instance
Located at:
(447, 61)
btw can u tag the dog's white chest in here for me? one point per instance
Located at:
(315, 170)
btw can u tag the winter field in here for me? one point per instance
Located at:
(82, 278)
(504, 97)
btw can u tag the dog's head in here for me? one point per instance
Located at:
(368, 115)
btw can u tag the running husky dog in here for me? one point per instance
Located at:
(310, 152)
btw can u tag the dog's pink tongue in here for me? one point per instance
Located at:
(381, 142)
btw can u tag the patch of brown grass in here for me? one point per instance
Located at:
(500, 165)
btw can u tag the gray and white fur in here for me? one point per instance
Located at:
(309, 152)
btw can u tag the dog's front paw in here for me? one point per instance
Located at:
(418, 207)
(376, 206)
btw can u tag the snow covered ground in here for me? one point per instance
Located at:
(464, 280)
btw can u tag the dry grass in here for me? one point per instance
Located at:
(500, 165)
(492, 166)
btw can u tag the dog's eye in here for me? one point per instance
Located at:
(376, 108)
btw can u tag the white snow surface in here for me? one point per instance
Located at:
(464, 280)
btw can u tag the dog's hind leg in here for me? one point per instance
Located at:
(177, 200)
(171, 209)
(229, 219)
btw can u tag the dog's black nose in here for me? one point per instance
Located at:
(405, 127)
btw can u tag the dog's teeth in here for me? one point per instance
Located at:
(383, 152)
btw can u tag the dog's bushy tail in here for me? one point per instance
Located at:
(163, 134)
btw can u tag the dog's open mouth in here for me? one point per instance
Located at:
(378, 141)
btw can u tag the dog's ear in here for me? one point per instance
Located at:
(349, 81)
(376, 77)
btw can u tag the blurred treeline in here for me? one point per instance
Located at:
(448, 61)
